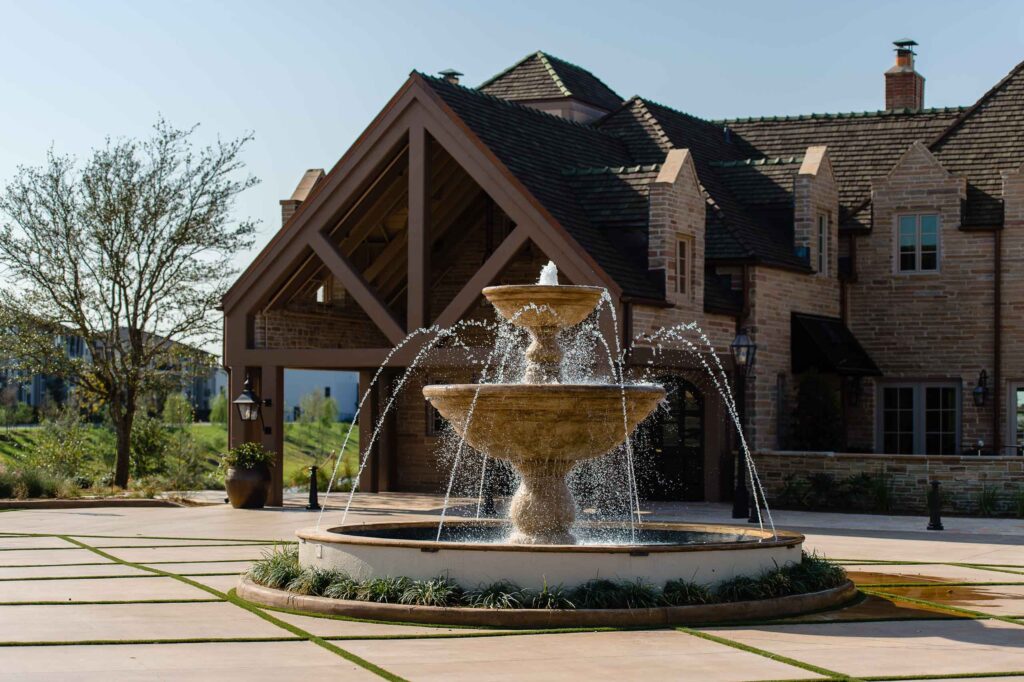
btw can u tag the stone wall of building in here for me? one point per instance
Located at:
(963, 478)
(923, 326)
(317, 326)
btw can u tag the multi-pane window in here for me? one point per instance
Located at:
(1018, 411)
(898, 420)
(684, 252)
(920, 419)
(823, 244)
(918, 243)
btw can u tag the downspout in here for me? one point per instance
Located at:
(997, 345)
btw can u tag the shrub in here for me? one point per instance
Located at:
(247, 456)
(988, 500)
(177, 410)
(149, 447)
(219, 409)
(342, 587)
(29, 483)
(62, 446)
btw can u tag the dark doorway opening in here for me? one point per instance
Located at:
(675, 438)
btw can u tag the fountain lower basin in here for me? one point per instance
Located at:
(472, 553)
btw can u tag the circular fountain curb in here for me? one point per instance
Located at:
(763, 609)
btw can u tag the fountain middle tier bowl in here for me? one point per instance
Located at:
(551, 422)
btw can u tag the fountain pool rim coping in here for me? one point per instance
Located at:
(659, 616)
(338, 536)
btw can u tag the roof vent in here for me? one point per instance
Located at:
(450, 76)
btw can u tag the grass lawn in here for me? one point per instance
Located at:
(304, 445)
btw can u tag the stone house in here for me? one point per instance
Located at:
(881, 249)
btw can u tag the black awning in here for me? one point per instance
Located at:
(826, 344)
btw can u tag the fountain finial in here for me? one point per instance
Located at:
(549, 274)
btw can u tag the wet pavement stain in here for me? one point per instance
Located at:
(964, 597)
(872, 578)
(874, 607)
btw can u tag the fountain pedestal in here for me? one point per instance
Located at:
(542, 509)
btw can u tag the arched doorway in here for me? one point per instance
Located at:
(675, 438)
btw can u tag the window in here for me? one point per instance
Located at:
(920, 419)
(823, 244)
(918, 243)
(684, 252)
(1017, 406)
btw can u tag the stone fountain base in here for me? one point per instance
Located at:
(704, 554)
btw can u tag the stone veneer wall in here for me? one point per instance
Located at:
(963, 478)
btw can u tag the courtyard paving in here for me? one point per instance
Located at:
(146, 593)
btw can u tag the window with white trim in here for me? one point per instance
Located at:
(684, 265)
(823, 244)
(918, 243)
(919, 419)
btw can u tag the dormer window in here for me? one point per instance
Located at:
(918, 243)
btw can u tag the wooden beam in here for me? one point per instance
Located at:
(419, 228)
(272, 388)
(355, 284)
(491, 268)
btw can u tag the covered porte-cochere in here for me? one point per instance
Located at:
(403, 233)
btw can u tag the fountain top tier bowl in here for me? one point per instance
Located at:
(544, 305)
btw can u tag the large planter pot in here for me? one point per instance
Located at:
(247, 488)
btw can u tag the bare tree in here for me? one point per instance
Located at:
(130, 251)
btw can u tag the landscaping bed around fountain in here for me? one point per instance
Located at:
(812, 585)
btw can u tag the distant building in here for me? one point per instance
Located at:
(342, 386)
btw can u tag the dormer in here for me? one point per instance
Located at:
(555, 86)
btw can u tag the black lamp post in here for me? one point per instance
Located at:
(981, 389)
(743, 352)
(248, 404)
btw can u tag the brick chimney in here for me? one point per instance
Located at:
(904, 87)
(290, 205)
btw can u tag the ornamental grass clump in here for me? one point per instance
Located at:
(277, 568)
(599, 593)
(498, 595)
(434, 592)
(550, 597)
(383, 590)
(342, 587)
(685, 593)
(314, 581)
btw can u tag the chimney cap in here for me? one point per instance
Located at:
(450, 73)
(905, 44)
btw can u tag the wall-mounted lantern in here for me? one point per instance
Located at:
(980, 391)
(248, 404)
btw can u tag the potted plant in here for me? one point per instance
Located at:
(247, 475)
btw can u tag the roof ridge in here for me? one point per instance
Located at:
(675, 111)
(554, 74)
(662, 135)
(969, 111)
(612, 170)
(514, 104)
(507, 70)
(593, 75)
(839, 115)
(757, 161)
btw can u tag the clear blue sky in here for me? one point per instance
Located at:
(306, 77)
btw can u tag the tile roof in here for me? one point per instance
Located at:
(541, 76)
(594, 178)
(987, 139)
(860, 146)
(537, 148)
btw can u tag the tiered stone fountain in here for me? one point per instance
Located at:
(544, 428)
